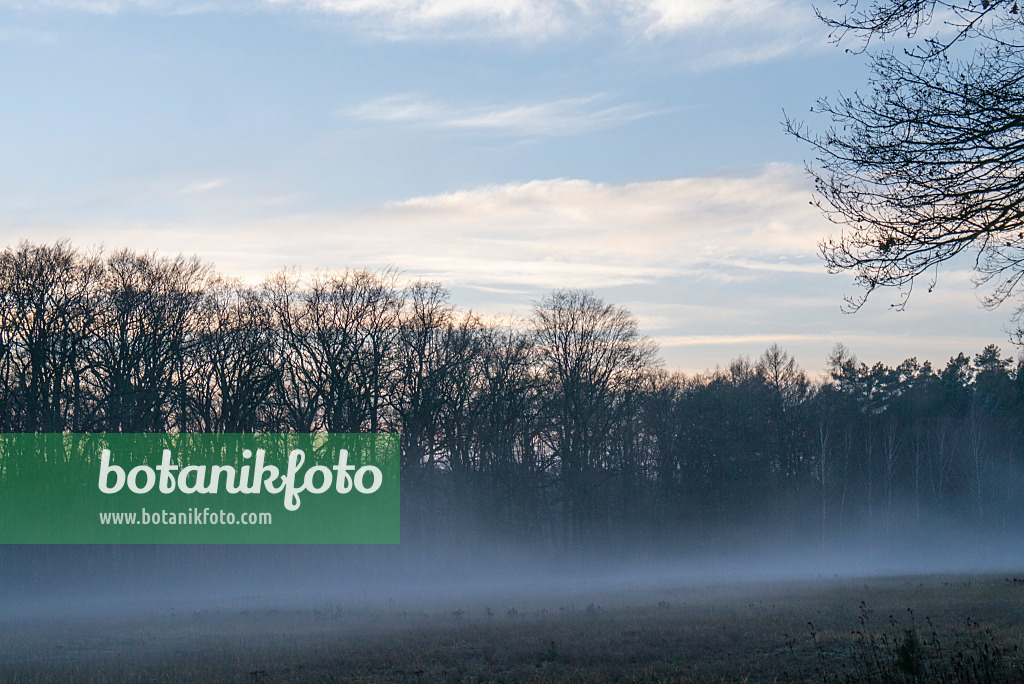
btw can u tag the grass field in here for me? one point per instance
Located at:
(920, 628)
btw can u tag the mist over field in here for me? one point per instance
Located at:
(554, 477)
(81, 581)
(500, 239)
(436, 612)
(537, 454)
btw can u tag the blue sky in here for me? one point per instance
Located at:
(631, 147)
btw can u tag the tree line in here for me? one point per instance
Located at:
(561, 430)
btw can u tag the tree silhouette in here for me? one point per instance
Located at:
(592, 355)
(926, 166)
(560, 430)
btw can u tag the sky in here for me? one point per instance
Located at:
(506, 149)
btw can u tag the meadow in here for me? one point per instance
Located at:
(909, 628)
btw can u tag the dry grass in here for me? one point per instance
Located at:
(840, 630)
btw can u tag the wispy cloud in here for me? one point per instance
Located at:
(91, 6)
(23, 35)
(529, 20)
(763, 28)
(532, 236)
(203, 186)
(398, 19)
(756, 339)
(726, 33)
(567, 116)
(546, 18)
(755, 50)
(111, 7)
(673, 16)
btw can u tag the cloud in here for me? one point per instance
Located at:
(530, 20)
(726, 33)
(755, 50)
(203, 186)
(112, 7)
(93, 6)
(398, 19)
(567, 116)
(527, 236)
(672, 16)
(573, 232)
(30, 36)
(546, 18)
(764, 339)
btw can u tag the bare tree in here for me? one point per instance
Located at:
(236, 364)
(991, 21)
(927, 165)
(47, 318)
(148, 329)
(348, 316)
(506, 416)
(298, 393)
(593, 359)
(383, 301)
(427, 316)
